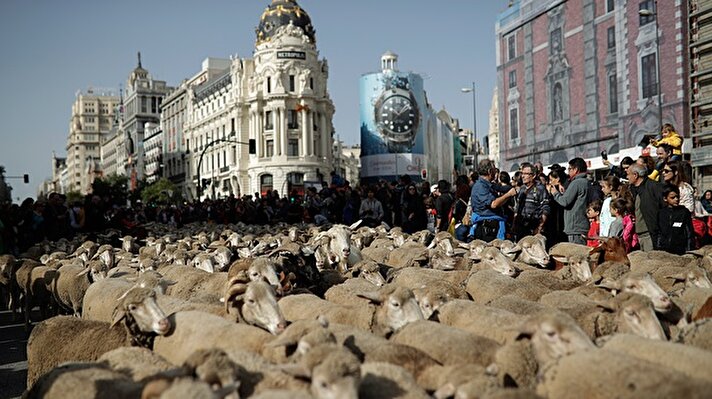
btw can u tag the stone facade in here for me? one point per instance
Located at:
(700, 22)
(493, 132)
(173, 114)
(580, 76)
(153, 152)
(92, 116)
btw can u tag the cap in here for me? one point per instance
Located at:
(433, 188)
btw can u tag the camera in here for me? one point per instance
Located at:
(604, 155)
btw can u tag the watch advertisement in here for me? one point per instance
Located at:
(393, 117)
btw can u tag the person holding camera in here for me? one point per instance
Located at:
(371, 210)
(488, 223)
(574, 200)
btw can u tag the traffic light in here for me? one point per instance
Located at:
(26, 178)
(205, 182)
(252, 144)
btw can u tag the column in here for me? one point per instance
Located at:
(276, 131)
(305, 133)
(283, 131)
(326, 151)
(310, 132)
(259, 137)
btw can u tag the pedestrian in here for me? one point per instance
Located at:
(443, 205)
(574, 201)
(593, 212)
(675, 222)
(670, 137)
(463, 220)
(623, 225)
(371, 211)
(413, 210)
(648, 199)
(706, 201)
(609, 186)
(532, 205)
(674, 173)
(488, 222)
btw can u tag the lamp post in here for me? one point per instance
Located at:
(474, 120)
(654, 13)
(250, 143)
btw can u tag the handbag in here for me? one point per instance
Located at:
(467, 219)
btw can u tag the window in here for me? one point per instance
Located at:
(613, 94)
(513, 124)
(295, 182)
(144, 104)
(311, 83)
(649, 76)
(611, 37)
(269, 148)
(154, 105)
(293, 123)
(555, 41)
(269, 122)
(511, 47)
(291, 83)
(512, 79)
(265, 184)
(648, 5)
(269, 84)
(610, 5)
(293, 148)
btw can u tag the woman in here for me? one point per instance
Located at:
(674, 173)
(462, 194)
(649, 163)
(610, 186)
(706, 201)
(414, 217)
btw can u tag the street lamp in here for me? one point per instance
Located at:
(474, 119)
(251, 143)
(645, 12)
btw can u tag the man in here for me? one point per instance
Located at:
(648, 197)
(371, 210)
(573, 200)
(487, 218)
(532, 204)
(443, 203)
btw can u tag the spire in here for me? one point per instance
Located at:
(139, 59)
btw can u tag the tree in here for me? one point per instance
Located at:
(113, 186)
(161, 192)
(5, 189)
(74, 196)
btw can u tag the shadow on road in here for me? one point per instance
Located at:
(13, 357)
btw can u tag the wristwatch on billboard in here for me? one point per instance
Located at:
(397, 118)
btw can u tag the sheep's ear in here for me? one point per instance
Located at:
(296, 370)
(515, 249)
(119, 314)
(84, 272)
(677, 277)
(168, 282)
(282, 340)
(541, 238)
(355, 225)
(373, 296)
(432, 245)
(323, 321)
(609, 305)
(609, 285)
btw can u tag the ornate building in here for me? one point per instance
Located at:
(279, 98)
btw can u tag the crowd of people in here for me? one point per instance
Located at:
(649, 203)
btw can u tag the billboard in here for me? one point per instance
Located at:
(393, 123)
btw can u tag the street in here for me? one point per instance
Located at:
(13, 357)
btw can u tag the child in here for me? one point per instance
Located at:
(624, 225)
(675, 223)
(430, 211)
(593, 212)
(609, 186)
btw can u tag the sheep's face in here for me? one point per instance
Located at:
(127, 243)
(259, 307)
(374, 277)
(697, 277)
(492, 258)
(554, 336)
(204, 262)
(146, 264)
(637, 316)
(7, 263)
(401, 308)
(339, 243)
(337, 377)
(580, 268)
(263, 269)
(140, 305)
(222, 258)
(446, 247)
(645, 285)
(534, 251)
(429, 301)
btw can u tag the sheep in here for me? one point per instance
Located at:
(552, 280)
(377, 254)
(83, 381)
(100, 298)
(517, 305)
(409, 255)
(380, 380)
(256, 304)
(562, 251)
(488, 285)
(30, 280)
(194, 330)
(495, 324)
(257, 269)
(694, 298)
(672, 278)
(394, 308)
(533, 251)
(430, 292)
(414, 276)
(641, 283)
(136, 362)
(193, 283)
(685, 359)
(447, 345)
(347, 293)
(697, 334)
(609, 271)
(444, 242)
(606, 374)
(340, 251)
(445, 380)
(492, 258)
(63, 338)
(634, 314)
(69, 283)
(370, 271)
(337, 374)
(8, 282)
(553, 335)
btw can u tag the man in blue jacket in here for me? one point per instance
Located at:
(573, 200)
(485, 203)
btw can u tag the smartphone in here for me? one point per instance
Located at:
(604, 155)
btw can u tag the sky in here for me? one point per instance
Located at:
(51, 49)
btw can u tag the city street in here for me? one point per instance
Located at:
(13, 357)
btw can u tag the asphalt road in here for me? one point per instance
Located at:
(13, 356)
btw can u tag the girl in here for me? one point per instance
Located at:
(593, 212)
(674, 173)
(623, 226)
(675, 223)
(610, 187)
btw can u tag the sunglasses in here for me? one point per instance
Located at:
(667, 170)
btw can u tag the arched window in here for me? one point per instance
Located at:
(295, 184)
(265, 184)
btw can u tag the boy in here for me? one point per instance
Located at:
(675, 223)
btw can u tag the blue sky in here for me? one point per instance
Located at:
(51, 49)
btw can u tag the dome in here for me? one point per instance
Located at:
(282, 13)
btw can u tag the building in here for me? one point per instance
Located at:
(92, 115)
(580, 76)
(153, 152)
(401, 134)
(493, 149)
(142, 106)
(279, 98)
(58, 165)
(700, 36)
(173, 113)
(347, 161)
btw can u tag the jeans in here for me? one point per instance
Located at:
(646, 242)
(576, 239)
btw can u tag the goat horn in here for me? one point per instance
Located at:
(232, 293)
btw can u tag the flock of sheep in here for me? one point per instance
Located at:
(234, 311)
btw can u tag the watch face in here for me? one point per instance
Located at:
(397, 114)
